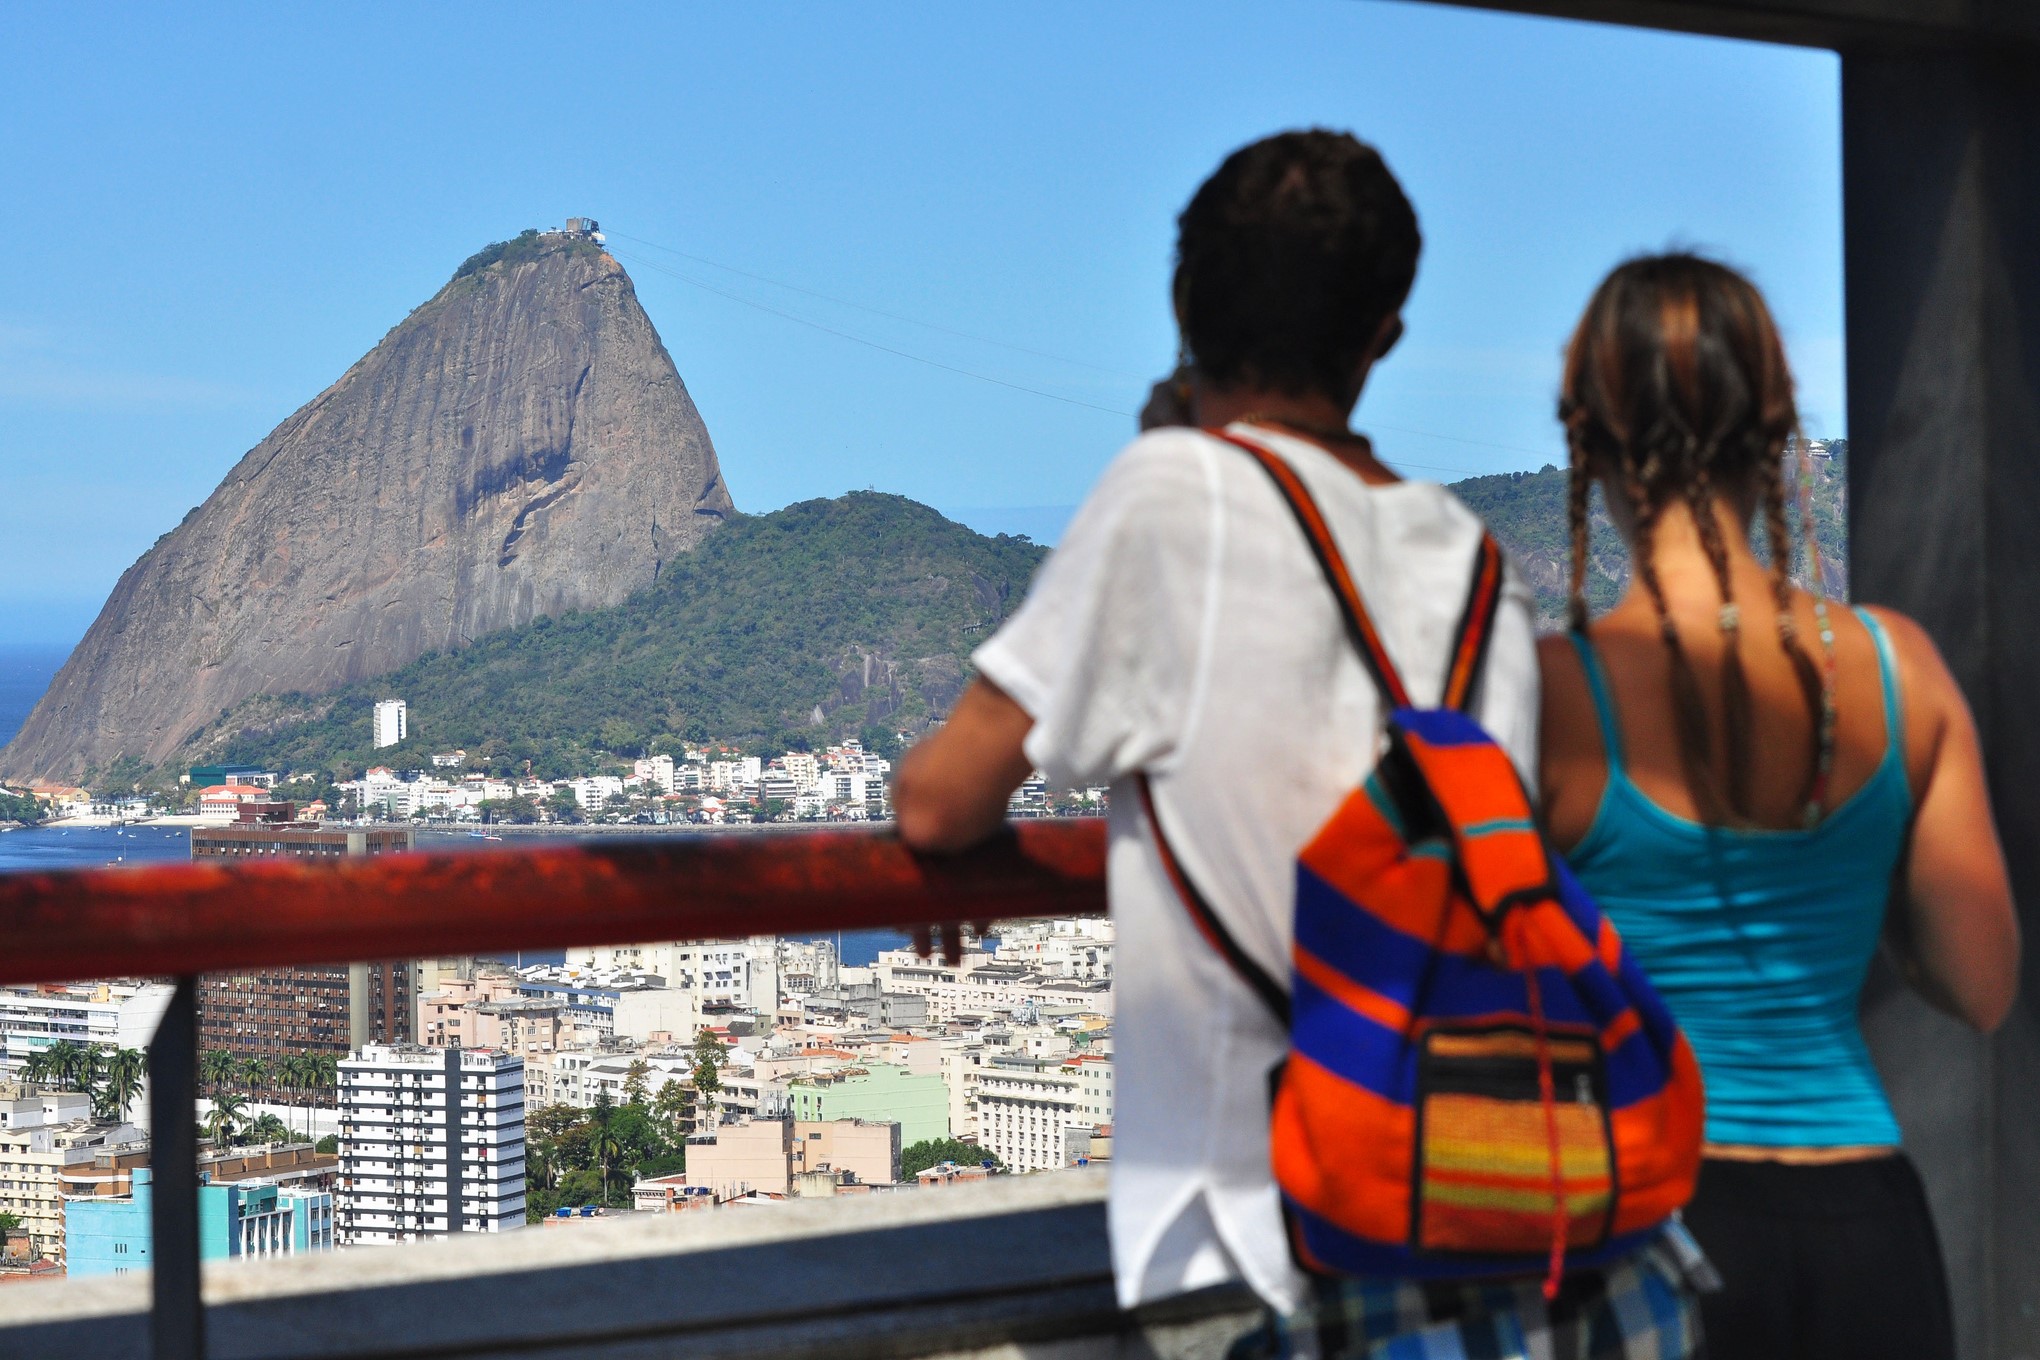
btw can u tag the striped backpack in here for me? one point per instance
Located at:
(1479, 1080)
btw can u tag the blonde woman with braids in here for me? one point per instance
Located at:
(1741, 776)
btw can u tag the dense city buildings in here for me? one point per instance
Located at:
(105, 1015)
(250, 1219)
(48, 1134)
(431, 1143)
(917, 1102)
(329, 1009)
(1027, 1107)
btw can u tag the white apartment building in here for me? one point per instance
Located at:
(657, 770)
(593, 792)
(963, 1062)
(734, 776)
(980, 985)
(36, 1150)
(739, 973)
(392, 722)
(431, 1143)
(806, 966)
(1025, 1105)
(105, 1014)
(1080, 948)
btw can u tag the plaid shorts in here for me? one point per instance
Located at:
(1644, 1308)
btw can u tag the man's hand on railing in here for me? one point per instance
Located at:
(951, 789)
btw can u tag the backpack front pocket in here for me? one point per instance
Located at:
(1486, 1137)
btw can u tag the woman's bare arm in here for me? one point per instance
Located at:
(951, 789)
(1955, 929)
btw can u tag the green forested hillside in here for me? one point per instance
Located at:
(825, 619)
(1527, 512)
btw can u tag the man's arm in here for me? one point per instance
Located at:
(952, 788)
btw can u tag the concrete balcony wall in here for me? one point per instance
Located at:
(1014, 1267)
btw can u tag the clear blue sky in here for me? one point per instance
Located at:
(212, 214)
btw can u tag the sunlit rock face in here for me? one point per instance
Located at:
(519, 446)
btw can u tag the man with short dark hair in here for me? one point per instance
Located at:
(1182, 634)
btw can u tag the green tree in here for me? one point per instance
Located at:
(267, 1128)
(19, 808)
(635, 1079)
(672, 1105)
(293, 1077)
(225, 1119)
(8, 1222)
(256, 1073)
(540, 1172)
(609, 1151)
(935, 1151)
(122, 1083)
(216, 1069)
(709, 1057)
(40, 1067)
(74, 1066)
(329, 1144)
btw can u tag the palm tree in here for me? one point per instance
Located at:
(539, 1171)
(216, 1068)
(327, 1075)
(255, 1075)
(608, 1150)
(39, 1067)
(294, 1073)
(74, 1065)
(267, 1128)
(225, 1118)
(123, 1080)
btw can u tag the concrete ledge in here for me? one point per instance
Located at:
(1012, 1267)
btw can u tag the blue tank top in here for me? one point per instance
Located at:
(1759, 940)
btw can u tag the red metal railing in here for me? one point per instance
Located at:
(184, 919)
(180, 919)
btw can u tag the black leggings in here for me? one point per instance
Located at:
(1816, 1262)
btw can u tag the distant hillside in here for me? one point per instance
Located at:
(821, 620)
(1527, 512)
(826, 619)
(519, 446)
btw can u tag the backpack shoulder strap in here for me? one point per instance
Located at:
(1273, 995)
(1476, 625)
(1476, 619)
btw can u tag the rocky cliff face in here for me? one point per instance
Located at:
(520, 446)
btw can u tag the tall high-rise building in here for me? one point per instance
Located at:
(431, 1143)
(326, 1008)
(392, 722)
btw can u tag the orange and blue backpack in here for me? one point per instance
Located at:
(1480, 1082)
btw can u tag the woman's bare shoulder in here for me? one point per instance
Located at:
(1568, 704)
(1927, 688)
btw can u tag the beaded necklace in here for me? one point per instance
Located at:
(1824, 762)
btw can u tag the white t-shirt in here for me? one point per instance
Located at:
(1183, 628)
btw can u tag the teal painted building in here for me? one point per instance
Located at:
(879, 1092)
(251, 1219)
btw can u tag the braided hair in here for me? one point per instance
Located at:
(1676, 389)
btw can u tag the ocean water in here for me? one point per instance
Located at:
(90, 847)
(25, 672)
(31, 849)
